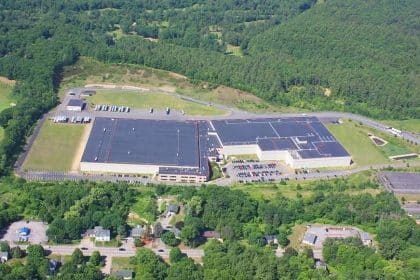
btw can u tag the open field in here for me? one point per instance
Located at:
(158, 101)
(90, 71)
(119, 263)
(356, 141)
(354, 137)
(408, 125)
(291, 189)
(55, 147)
(6, 98)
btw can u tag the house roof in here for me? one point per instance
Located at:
(270, 238)
(99, 231)
(173, 208)
(137, 231)
(365, 236)
(309, 238)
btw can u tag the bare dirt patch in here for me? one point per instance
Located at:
(81, 147)
(6, 81)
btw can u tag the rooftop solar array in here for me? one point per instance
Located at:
(306, 135)
(153, 142)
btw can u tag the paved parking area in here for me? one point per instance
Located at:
(255, 171)
(37, 235)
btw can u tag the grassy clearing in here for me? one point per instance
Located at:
(90, 71)
(234, 50)
(114, 243)
(55, 147)
(6, 97)
(355, 140)
(145, 208)
(292, 189)
(119, 263)
(158, 101)
(412, 125)
(295, 238)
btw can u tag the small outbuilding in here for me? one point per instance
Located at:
(366, 239)
(172, 208)
(75, 105)
(309, 238)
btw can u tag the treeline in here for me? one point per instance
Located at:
(69, 208)
(294, 51)
(35, 265)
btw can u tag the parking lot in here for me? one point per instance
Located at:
(255, 171)
(37, 234)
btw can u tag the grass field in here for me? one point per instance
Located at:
(6, 98)
(356, 141)
(55, 147)
(158, 101)
(145, 208)
(119, 263)
(408, 125)
(291, 189)
(90, 71)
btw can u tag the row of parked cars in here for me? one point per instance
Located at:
(112, 108)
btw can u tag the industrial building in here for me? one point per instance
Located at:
(173, 150)
(301, 142)
(75, 105)
(179, 151)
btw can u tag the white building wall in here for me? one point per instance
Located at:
(118, 168)
(240, 150)
(273, 155)
(320, 162)
(74, 108)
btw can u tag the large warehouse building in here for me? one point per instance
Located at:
(173, 150)
(180, 150)
(302, 142)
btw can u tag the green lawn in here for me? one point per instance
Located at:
(6, 98)
(355, 140)
(158, 101)
(412, 125)
(55, 147)
(306, 188)
(119, 263)
(145, 207)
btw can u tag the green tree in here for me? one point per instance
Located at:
(169, 238)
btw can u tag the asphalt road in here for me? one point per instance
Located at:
(232, 114)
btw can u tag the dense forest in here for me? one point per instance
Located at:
(243, 221)
(322, 55)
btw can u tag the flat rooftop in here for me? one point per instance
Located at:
(306, 135)
(146, 142)
(75, 102)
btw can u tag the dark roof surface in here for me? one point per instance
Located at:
(273, 144)
(306, 135)
(167, 143)
(75, 102)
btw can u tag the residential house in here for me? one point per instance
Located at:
(271, 239)
(138, 231)
(99, 233)
(212, 234)
(53, 266)
(172, 209)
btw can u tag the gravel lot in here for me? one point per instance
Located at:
(37, 232)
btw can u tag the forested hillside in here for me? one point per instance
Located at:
(355, 56)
